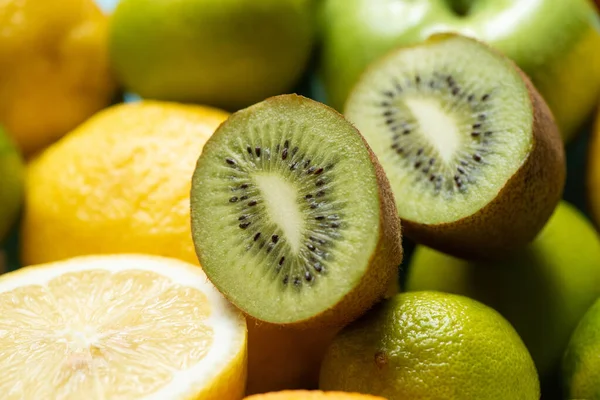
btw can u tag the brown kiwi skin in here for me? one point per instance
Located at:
(283, 358)
(386, 258)
(521, 208)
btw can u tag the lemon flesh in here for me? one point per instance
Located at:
(118, 327)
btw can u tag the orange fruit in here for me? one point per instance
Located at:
(312, 395)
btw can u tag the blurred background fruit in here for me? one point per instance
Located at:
(54, 68)
(581, 364)
(547, 38)
(542, 290)
(107, 5)
(225, 53)
(593, 172)
(12, 173)
(429, 345)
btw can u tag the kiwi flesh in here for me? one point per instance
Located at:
(293, 219)
(471, 149)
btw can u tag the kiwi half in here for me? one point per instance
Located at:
(471, 149)
(293, 218)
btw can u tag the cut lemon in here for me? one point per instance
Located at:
(118, 327)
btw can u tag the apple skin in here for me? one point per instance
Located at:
(556, 42)
(228, 54)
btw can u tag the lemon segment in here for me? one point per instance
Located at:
(118, 327)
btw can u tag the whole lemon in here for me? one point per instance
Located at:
(119, 183)
(226, 53)
(431, 346)
(54, 69)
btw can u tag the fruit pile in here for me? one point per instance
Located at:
(300, 199)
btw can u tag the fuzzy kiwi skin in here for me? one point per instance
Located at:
(386, 258)
(283, 358)
(521, 208)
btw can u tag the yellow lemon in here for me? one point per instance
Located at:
(54, 68)
(119, 327)
(119, 183)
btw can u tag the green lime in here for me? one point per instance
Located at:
(542, 291)
(431, 345)
(581, 364)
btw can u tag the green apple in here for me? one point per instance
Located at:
(224, 53)
(556, 42)
(542, 291)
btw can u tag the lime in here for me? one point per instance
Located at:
(542, 291)
(581, 364)
(431, 345)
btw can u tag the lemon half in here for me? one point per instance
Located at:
(118, 327)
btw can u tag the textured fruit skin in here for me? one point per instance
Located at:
(12, 176)
(581, 365)
(542, 291)
(553, 41)
(387, 256)
(231, 383)
(55, 69)
(521, 208)
(312, 395)
(428, 345)
(225, 53)
(119, 183)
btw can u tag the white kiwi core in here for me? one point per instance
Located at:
(281, 199)
(437, 125)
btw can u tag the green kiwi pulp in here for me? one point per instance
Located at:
(449, 123)
(289, 209)
(452, 123)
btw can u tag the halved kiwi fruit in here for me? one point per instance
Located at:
(293, 218)
(470, 148)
